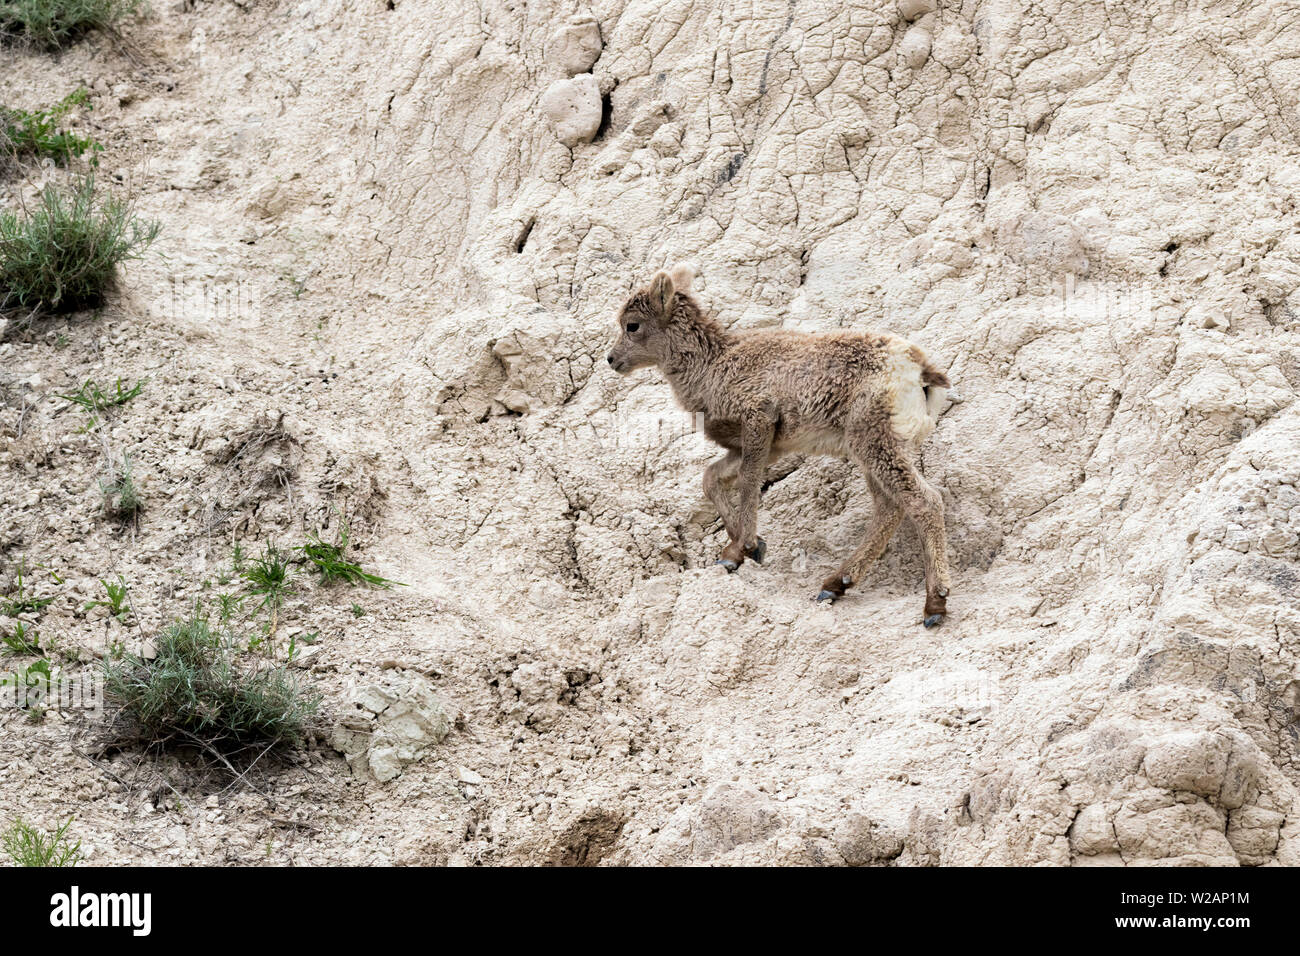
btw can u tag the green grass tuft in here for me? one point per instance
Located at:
(53, 24)
(227, 606)
(328, 559)
(37, 133)
(94, 399)
(268, 578)
(63, 255)
(23, 600)
(121, 496)
(28, 846)
(117, 598)
(23, 639)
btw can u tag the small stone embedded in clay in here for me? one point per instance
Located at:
(573, 107)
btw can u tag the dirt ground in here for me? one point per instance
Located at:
(384, 289)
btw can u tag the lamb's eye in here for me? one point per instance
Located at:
(633, 326)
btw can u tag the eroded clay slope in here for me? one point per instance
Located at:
(1086, 213)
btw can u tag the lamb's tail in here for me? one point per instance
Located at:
(935, 384)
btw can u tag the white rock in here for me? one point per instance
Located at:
(1191, 761)
(573, 107)
(303, 656)
(1092, 832)
(912, 9)
(575, 46)
(862, 840)
(387, 726)
(269, 200)
(915, 46)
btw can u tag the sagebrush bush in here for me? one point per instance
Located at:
(28, 846)
(63, 254)
(52, 24)
(197, 690)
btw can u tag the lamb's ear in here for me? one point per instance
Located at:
(662, 293)
(683, 275)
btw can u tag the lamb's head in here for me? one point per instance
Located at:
(644, 321)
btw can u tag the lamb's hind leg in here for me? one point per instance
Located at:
(883, 524)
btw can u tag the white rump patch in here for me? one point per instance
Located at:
(911, 418)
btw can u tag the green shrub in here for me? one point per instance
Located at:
(23, 600)
(24, 133)
(63, 255)
(28, 846)
(121, 496)
(268, 578)
(22, 640)
(52, 24)
(329, 560)
(196, 690)
(118, 595)
(94, 399)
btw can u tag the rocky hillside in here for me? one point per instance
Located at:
(395, 236)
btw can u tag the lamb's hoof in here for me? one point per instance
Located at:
(728, 564)
(834, 589)
(933, 620)
(758, 552)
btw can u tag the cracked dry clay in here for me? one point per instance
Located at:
(397, 240)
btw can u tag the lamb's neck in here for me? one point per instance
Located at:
(692, 371)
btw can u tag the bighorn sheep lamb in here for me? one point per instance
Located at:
(866, 396)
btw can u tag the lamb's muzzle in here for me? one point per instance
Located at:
(867, 396)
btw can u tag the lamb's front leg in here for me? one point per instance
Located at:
(756, 445)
